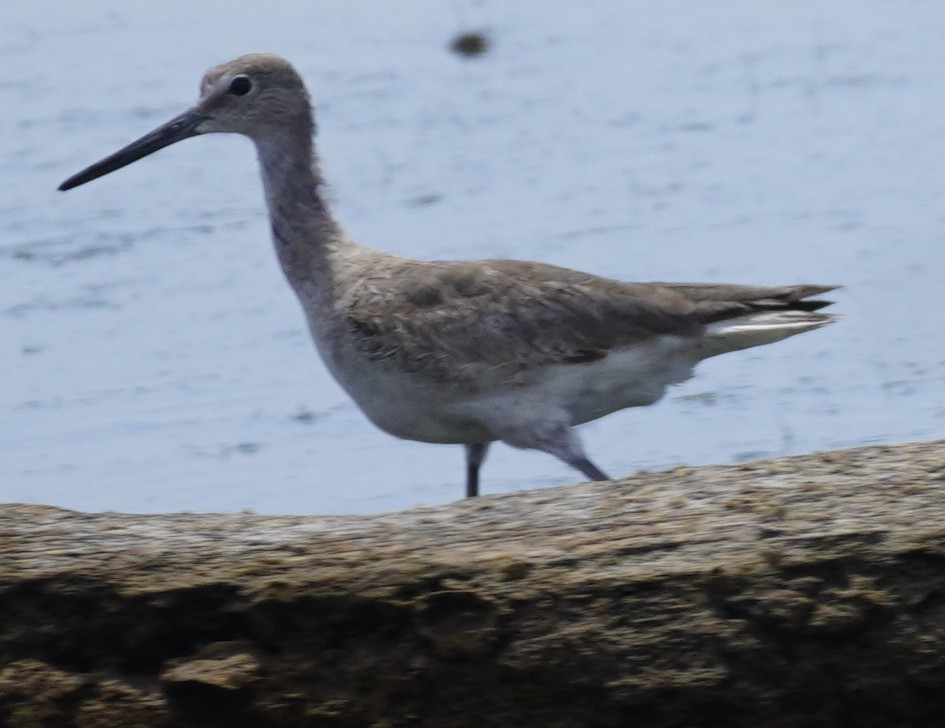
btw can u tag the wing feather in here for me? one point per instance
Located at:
(452, 320)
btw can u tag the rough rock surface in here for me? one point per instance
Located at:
(806, 591)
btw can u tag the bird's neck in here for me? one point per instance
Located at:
(304, 232)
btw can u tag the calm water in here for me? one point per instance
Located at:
(153, 359)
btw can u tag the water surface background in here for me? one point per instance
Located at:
(152, 357)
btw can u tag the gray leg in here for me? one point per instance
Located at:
(475, 454)
(590, 470)
(554, 436)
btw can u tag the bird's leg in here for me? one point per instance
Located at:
(555, 436)
(475, 454)
(588, 468)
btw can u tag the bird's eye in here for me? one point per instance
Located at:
(240, 86)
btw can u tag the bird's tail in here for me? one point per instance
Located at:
(757, 328)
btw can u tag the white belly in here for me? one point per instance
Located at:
(414, 408)
(630, 377)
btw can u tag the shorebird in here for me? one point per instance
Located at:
(466, 352)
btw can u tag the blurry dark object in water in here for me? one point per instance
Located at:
(470, 44)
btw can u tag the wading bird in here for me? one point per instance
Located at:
(466, 352)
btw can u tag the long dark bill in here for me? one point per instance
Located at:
(180, 127)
